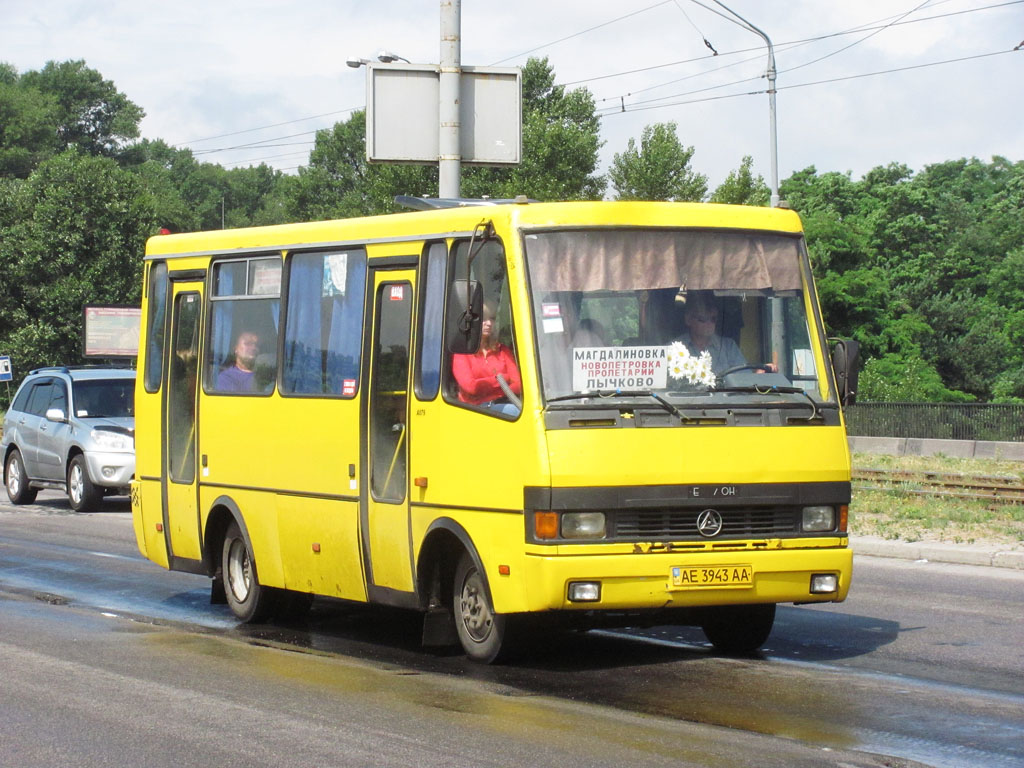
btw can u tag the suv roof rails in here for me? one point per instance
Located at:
(70, 368)
(434, 203)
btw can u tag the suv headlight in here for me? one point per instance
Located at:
(112, 441)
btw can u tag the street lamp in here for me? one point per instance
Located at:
(385, 57)
(771, 102)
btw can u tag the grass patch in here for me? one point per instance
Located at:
(900, 515)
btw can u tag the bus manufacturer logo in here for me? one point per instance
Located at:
(709, 523)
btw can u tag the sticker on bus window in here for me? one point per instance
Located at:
(397, 292)
(605, 368)
(348, 387)
(335, 272)
(553, 325)
(550, 310)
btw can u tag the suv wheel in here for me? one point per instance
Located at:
(18, 490)
(83, 495)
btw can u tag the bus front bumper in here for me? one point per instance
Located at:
(680, 579)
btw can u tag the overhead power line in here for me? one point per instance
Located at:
(583, 32)
(632, 108)
(273, 125)
(801, 41)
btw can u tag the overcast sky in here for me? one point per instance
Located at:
(202, 69)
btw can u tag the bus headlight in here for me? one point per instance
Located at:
(583, 525)
(820, 518)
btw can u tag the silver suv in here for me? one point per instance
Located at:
(71, 429)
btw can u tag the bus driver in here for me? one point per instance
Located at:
(477, 375)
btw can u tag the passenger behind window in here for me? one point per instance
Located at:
(477, 375)
(241, 377)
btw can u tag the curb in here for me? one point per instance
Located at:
(938, 552)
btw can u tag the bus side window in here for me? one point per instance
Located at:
(489, 379)
(323, 323)
(242, 354)
(157, 294)
(431, 337)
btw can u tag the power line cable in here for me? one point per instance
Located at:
(631, 108)
(818, 38)
(857, 42)
(699, 32)
(274, 125)
(583, 31)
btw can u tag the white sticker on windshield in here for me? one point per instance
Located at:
(605, 368)
(553, 325)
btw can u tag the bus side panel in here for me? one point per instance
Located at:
(320, 546)
(259, 519)
(496, 537)
(147, 515)
(475, 467)
(317, 455)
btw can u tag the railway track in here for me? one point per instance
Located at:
(997, 489)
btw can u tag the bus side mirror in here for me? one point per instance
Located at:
(463, 320)
(846, 364)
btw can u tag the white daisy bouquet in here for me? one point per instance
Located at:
(696, 369)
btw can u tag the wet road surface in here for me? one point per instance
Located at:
(922, 662)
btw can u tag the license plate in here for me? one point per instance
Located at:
(705, 577)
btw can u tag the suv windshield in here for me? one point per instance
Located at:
(104, 398)
(621, 311)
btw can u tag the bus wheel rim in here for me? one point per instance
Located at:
(476, 613)
(239, 571)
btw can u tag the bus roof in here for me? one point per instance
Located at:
(462, 220)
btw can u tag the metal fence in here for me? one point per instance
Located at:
(943, 421)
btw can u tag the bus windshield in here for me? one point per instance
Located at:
(681, 313)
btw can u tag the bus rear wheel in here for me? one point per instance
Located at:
(738, 629)
(481, 631)
(250, 601)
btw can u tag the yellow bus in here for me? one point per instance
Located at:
(495, 414)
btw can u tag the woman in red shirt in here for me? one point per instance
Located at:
(477, 375)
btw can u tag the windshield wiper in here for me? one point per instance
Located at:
(624, 393)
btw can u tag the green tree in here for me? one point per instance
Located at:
(561, 141)
(741, 187)
(27, 125)
(659, 169)
(81, 225)
(90, 113)
(339, 182)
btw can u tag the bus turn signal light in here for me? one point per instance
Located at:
(545, 525)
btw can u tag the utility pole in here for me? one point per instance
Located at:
(449, 156)
(771, 103)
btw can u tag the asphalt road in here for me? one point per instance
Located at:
(106, 659)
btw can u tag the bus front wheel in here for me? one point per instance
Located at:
(738, 629)
(249, 600)
(481, 631)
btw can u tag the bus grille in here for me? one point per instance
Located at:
(676, 524)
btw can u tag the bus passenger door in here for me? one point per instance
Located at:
(386, 525)
(180, 490)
